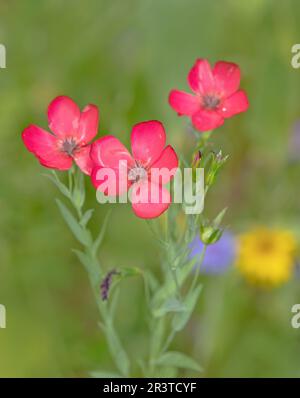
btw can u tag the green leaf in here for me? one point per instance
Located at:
(156, 234)
(174, 358)
(120, 357)
(168, 289)
(83, 258)
(150, 280)
(217, 221)
(80, 234)
(114, 302)
(56, 181)
(171, 305)
(100, 237)
(86, 217)
(79, 191)
(102, 374)
(128, 272)
(181, 319)
(150, 285)
(158, 332)
(142, 365)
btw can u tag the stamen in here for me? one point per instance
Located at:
(137, 173)
(211, 101)
(69, 145)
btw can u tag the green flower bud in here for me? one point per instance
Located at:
(217, 162)
(209, 234)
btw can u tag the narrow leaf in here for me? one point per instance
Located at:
(79, 233)
(168, 289)
(79, 190)
(174, 358)
(171, 305)
(56, 181)
(116, 349)
(114, 302)
(100, 237)
(83, 258)
(151, 280)
(158, 332)
(86, 217)
(182, 318)
(128, 272)
(217, 221)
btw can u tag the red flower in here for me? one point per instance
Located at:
(72, 130)
(217, 95)
(136, 172)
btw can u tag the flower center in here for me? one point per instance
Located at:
(69, 145)
(211, 101)
(137, 173)
(266, 245)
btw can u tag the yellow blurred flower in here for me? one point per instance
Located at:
(267, 256)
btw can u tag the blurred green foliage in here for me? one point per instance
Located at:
(125, 56)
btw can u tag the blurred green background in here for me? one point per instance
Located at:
(125, 56)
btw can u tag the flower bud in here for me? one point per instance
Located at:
(197, 156)
(209, 234)
(217, 162)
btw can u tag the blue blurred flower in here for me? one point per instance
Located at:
(219, 256)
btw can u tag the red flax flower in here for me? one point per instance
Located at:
(216, 95)
(150, 156)
(72, 131)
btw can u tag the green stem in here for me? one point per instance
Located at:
(169, 340)
(93, 267)
(176, 282)
(173, 332)
(197, 272)
(202, 140)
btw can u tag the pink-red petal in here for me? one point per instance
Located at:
(63, 117)
(236, 103)
(44, 146)
(184, 103)
(200, 77)
(88, 124)
(108, 151)
(227, 77)
(165, 166)
(148, 141)
(149, 200)
(207, 120)
(83, 160)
